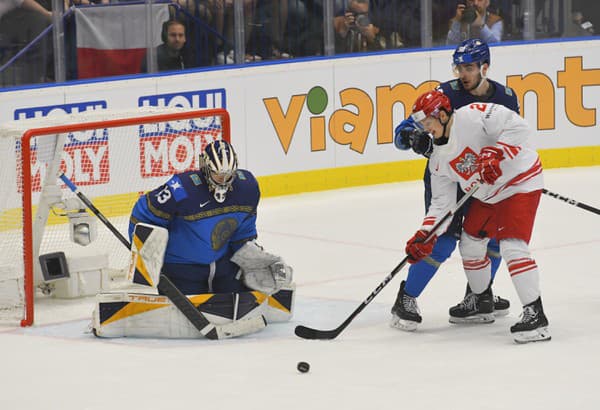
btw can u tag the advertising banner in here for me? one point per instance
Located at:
(340, 113)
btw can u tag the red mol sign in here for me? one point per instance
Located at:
(166, 154)
(84, 164)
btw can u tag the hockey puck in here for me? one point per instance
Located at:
(303, 367)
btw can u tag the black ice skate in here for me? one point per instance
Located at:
(405, 312)
(474, 308)
(501, 305)
(533, 326)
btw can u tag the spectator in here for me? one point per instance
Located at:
(197, 8)
(274, 14)
(267, 39)
(305, 27)
(200, 35)
(474, 20)
(354, 29)
(21, 21)
(399, 22)
(32, 5)
(223, 21)
(172, 54)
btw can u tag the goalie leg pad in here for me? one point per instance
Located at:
(148, 246)
(279, 307)
(261, 270)
(143, 315)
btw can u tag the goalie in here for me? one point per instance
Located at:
(209, 221)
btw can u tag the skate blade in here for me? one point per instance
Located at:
(475, 319)
(406, 325)
(537, 335)
(501, 313)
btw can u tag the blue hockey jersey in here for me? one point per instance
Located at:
(459, 97)
(201, 230)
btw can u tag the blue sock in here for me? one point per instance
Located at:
(493, 253)
(421, 272)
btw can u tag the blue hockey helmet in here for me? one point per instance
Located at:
(218, 163)
(473, 50)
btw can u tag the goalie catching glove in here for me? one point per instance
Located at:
(261, 270)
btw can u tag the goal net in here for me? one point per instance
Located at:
(49, 241)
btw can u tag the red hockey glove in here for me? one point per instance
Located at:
(417, 249)
(488, 164)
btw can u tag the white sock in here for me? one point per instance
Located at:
(522, 268)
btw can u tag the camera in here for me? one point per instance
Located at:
(361, 19)
(469, 15)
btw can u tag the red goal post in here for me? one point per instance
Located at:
(113, 156)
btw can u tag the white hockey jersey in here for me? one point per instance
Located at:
(476, 126)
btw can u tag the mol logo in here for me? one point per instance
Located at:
(344, 126)
(167, 148)
(85, 154)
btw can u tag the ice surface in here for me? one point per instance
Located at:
(342, 244)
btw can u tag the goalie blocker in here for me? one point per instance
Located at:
(150, 315)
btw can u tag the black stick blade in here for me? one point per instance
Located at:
(314, 334)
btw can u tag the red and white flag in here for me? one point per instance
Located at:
(111, 40)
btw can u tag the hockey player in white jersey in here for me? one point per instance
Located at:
(486, 145)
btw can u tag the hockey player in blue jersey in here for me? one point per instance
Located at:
(210, 215)
(471, 60)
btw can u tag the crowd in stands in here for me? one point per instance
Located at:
(201, 32)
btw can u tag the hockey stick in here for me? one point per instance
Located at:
(309, 333)
(181, 302)
(571, 201)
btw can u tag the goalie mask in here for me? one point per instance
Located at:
(218, 163)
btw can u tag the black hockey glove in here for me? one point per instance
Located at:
(409, 135)
(421, 143)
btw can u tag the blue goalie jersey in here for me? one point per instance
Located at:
(201, 230)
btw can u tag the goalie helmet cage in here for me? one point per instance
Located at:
(114, 156)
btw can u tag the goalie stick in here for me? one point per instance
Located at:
(310, 333)
(181, 302)
(200, 322)
(571, 201)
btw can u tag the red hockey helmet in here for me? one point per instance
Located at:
(429, 105)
